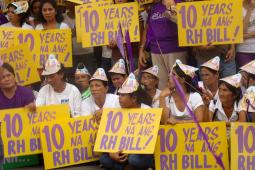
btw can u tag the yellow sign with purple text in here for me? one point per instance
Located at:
(21, 59)
(242, 146)
(20, 128)
(79, 15)
(100, 25)
(182, 147)
(128, 130)
(215, 22)
(69, 142)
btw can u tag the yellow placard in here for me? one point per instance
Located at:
(69, 142)
(78, 15)
(182, 147)
(41, 43)
(58, 42)
(101, 24)
(128, 130)
(76, 1)
(204, 22)
(144, 2)
(20, 129)
(21, 60)
(242, 146)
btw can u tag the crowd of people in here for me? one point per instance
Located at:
(218, 81)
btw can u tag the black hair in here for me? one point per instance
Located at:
(105, 83)
(191, 84)
(236, 91)
(141, 96)
(32, 5)
(123, 75)
(23, 16)
(9, 68)
(59, 16)
(210, 70)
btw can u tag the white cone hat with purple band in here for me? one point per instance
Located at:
(249, 95)
(52, 66)
(249, 67)
(99, 75)
(21, 7)
(213, 64)
(119, 67)
(188, 70)
(81, 69)
(234, 80)
(130, 85)
(152, 70)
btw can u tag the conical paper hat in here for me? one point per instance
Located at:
(130, 85)
(249, 67)
(234, 80)
(52, 65)
(188, 70)
(152, 70)
(99, 75)
(119, 67)
(213, 64)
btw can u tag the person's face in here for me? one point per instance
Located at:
(149, 81)
(117, 80)
(225, 94)
(171, 83)
(54, 79)
(208, 77)
(97, 88)
(82, 80)
(14, 18)
(126, 101)
(36, 8)
(48, 12)
(253, 2)
(7, 80)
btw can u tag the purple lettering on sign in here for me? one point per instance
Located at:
(168, 162)
(13, 125)
(35, 144)
(16, 147)
(61, 157)
(97, 38)
(111, 121)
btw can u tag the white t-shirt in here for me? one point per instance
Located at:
(88, 106)
(24, 26)
(144, 106)
(248, 45)
(71, 96)
(61, 26)
(155, 100)
(194, 101)
(220, 114)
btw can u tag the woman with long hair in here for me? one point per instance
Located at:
(175, 111)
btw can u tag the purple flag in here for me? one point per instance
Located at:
(120, 42)
(130, 52)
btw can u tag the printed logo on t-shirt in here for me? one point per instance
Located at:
(64, 101)
(157, 15)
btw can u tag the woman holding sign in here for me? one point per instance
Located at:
(57, 90)
(17, 14)
(50, 16)
(175, 110)
(131, 96)
(226, 108)
(99, 98)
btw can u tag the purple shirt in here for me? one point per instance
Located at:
(22, 97)
(3, 19)
(162, 29)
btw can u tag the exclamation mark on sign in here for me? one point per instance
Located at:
(28, 73)
(67, 57)
(34, 56)
(19, 79)
(236, 32)
(148, 141)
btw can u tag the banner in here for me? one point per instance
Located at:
(100, 24)
(78, 15)
(41, 43)
(128, 130)
(242, 146)
(182, 147)
(20, 128)
(20, 58)
(69, 142)
(204, 22)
